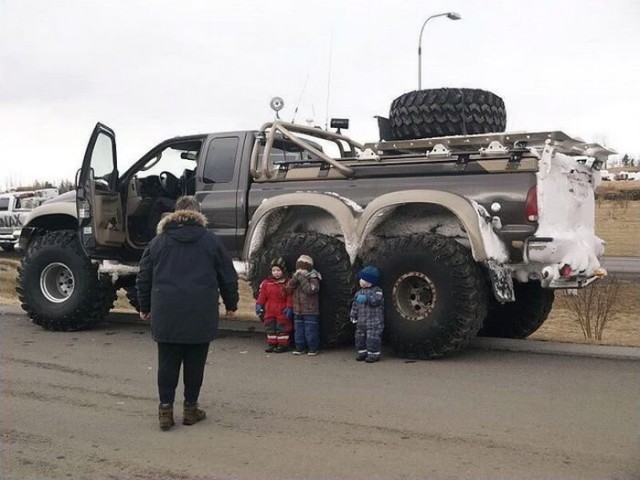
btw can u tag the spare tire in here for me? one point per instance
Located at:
(443, 112)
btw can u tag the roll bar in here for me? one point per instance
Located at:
(288, 130)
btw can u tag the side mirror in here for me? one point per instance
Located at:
(77, 179)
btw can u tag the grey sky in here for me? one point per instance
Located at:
(154, 69)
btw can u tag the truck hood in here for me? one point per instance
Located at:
(65, 197)
(64, 204)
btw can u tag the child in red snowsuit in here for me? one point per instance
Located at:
(274, 307)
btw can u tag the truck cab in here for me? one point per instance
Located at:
(118, 214)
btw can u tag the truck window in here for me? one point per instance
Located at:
(4, 204)
(221, 160)
(102, 159)
(283, 152)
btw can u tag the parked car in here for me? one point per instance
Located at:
(606, 176)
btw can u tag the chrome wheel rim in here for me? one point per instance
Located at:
(57, 282)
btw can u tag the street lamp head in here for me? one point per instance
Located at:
(450, 16)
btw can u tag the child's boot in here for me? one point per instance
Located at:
(372, 357)
(362, 356)
(270, 348)
(165, 416)
(192, 414)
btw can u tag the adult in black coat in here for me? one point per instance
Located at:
(183, 271)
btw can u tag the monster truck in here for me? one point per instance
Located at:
(472, 232)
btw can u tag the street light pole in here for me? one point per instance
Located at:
(450, 16)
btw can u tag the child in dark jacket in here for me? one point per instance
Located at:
(305, 287)
(274, 308)
(367, 312)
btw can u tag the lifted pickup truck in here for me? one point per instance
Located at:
(472, 233)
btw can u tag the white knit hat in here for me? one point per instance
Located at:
(305, 259)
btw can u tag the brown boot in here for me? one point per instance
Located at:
(165, 415)
(192, 414)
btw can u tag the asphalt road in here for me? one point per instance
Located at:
(624, 265)
(83, 405)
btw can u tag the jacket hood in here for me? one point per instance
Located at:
(183, 225)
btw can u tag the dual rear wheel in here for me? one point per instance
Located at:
(437, 297)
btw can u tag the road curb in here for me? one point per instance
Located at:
(250, 326)
(556, 348)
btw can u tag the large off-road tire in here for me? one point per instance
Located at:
(331, 260)
(8, 247)
(521, 318)
(446, 111)
(58, 285)
(436, 295)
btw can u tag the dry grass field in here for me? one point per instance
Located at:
(623, 329)
(8, 274)
(617, 221)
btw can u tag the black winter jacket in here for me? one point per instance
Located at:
(181, 271)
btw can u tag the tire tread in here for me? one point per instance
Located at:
(97, 301)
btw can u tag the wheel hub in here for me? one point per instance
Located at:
(57, 282)
(414, 296)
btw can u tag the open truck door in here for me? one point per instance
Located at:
(98, 200)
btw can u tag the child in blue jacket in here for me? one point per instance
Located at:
(367, 312)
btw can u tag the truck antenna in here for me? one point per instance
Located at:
(326, 120)
(311, 119)
(304, 86)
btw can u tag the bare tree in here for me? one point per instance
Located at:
(600, 138)
(625, 160)
(594, 306)
(65, 186)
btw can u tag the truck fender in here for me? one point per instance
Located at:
(49, 216)
(48, 209)
(485, 244)
(337, 208)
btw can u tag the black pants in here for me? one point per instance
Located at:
(170, 357)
